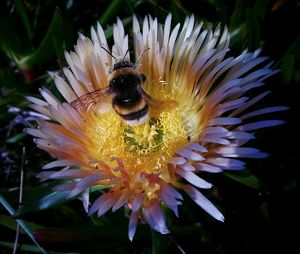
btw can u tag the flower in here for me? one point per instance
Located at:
(201, 125)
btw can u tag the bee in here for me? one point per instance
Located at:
(124, 93)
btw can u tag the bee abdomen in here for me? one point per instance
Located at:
(135, 115)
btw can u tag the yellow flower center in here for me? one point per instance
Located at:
(147, 147)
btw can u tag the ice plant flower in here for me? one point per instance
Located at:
(147, 166)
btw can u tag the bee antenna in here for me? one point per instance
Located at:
(108, 52)
(140, 56)
(126, 54)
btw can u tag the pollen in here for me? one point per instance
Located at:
(147, 147)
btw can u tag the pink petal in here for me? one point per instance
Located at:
(103, 204)
(107, 204)
(121, 201)
(85, 183)
(137, 202)
(63, 174)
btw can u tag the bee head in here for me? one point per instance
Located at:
(121, 64)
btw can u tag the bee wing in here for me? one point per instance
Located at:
(157, 105)
(89, 101)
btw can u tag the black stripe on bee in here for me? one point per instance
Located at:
(136, 115)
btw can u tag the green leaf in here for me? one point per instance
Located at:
(237, 15)
(22, 224)
(46, 49)
(10, 41)
(23, 247)
(245, 178)
(24, 17)
(254, 40)
(260, 8)
(42, 198)
(110, 13)
(238, 35)
(88, 238)
(10, 223)
(159, 242)
(16, 138)
(287, 67)
(264, 210)
(288, 61)
(181, 7)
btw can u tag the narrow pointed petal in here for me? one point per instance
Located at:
(137, 202)
(193, 178)
(155, 218)
(259, 125)
(86, 199)
(132, 224)
(203, 202)
(121, 201)
(226, 163)
(190, 154)
(225, 121)
(207, 168)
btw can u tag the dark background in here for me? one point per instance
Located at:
(260, 206)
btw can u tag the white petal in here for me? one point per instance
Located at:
(36, 101)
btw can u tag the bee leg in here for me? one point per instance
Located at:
(143, 77)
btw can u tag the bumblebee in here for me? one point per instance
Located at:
(125, 93)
